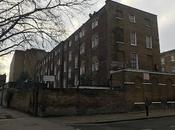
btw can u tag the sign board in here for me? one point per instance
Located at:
(146, 76)
(49, 78)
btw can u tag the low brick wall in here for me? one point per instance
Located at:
(82, 102)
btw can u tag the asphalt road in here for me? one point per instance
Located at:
(166, 123)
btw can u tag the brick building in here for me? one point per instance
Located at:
(23, 64)
(2, 80)
(168, 61)
(114, 38)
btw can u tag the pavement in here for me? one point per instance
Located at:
(11, 119)
(109, 118)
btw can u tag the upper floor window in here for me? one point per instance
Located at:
(147, 22)
(82, 33)
(55, 70)
(76, 37)
(82, 48)
(70, 43)
(65, 47)
(69, 73)
(95, 64)
(162, 61)
(70, 56)
(94, 23)
(58, 75)
(76, 61)
(59, 61)
(149, 42)
(119, 14)
(119, 35)
(95, 40)
(65, 66)
(82, 68)
(134, 61)
(133, 38)
(132, 18)
(172, 58)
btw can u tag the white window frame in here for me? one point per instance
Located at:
(70, 56)
(149, 42)
(132, 18)
(95, 64)
(65, 66)
(94, 23)
(82, 68)
(70, 43)
(82, 48)
(58, 75)
(76, 62)
(76, 37)
(133, 38)
(95, 40)
(162, 61)
(172, 58)
(70, 73)
(134, 61)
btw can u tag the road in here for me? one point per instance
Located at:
(166, 123)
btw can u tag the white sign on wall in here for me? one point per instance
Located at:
(49, 78)
(146, 76)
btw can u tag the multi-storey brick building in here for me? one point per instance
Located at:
(114, 38)
(23, 64)
(168, 61)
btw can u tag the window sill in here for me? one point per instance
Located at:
(118, 42)
(119, 18)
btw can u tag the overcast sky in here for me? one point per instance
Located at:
(164, 9)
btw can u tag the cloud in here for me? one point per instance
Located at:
(5, 64)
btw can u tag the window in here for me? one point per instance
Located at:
(69, 73)
(148, 42)
(81, 34)
(94, 23)
(172, 58)
(119, 35)
(132, 19)
(55, 70)
(163, 69)
(82, 68)
(173, 69)
(76, 82)
(76, 37)
(134, 61)
(65, 66)
(95, 64)
(65, 47)
(162, 61)
(76, 62)
(133, 38)
(58, 75)
(59, 61)
(70, 43)
(147, 22)
(119, 14)
(70, 56)
(64, 83)
(82, 48)
(51, 66)
(95, 40)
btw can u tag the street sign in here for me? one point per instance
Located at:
(49, 78)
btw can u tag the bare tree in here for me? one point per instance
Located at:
(34, 22)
